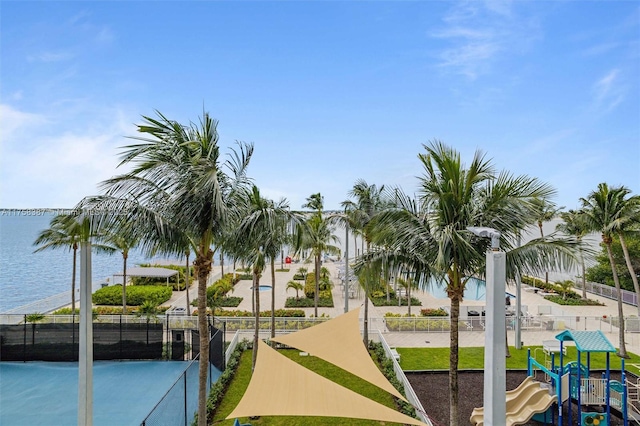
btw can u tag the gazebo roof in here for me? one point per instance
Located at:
(587, 341)
(149, 272)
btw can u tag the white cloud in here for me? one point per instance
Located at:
(477, 33)
(43, 169)
(13, 120)
(608, 92)
(49, 57)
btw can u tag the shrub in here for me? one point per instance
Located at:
(219, 388)
(310, 286)
(278, 313)
(434, 312)
(393, 301)
(107, 310)
(305, 302)
(386, 365)
(136, 295)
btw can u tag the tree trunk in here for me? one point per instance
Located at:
(221, 264)
(273, 298)
(253, 295)
(317, 276)
(186, 283)
(546, 274)
(124, 283)
(584, 279)
(256, 330)
(203, 263)
(365, 332)
(453, 362)
(622, 351)
(627, 259)
(409, 298)
(73, 279)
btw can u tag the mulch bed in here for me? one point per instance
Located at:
(432, 389)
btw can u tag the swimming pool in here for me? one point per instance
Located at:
(124, 392)
(263, 287)
(475, 289)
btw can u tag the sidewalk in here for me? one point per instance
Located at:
(534, 303)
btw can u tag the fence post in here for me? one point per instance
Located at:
(186, 423)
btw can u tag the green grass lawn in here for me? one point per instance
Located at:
(415, 359)
(242, 377)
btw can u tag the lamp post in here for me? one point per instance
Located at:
(495, 335)
(346, 268)
(85, 357)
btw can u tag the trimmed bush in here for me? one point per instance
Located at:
(393, 301)
(264, 314)
(305, 302)
(136, 295)
(434, 312)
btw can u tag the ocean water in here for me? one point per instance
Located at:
(27, 277)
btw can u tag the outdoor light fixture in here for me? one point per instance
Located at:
(495, 375)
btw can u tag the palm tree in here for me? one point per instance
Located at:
(607, 210)
(264, 232)
(179, 187)
(368, 202)
(545, 210)
(575, 225)
(316, 235)
(62, 233)
(68, 231)
(429, 234)
(294, 285)
(123, 242)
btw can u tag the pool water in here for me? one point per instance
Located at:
(263, 288)
(124, 392)
(475, 289)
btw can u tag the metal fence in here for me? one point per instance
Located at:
(51, 341)
(179, 404)
(628, 297)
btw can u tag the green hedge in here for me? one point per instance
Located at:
(393, 301)
(219, 388)
(305, 302)
(283, 313)
(386, 366)
(136, 295)
(107, 310)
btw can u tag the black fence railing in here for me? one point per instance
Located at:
(60, 341)
(180, 404)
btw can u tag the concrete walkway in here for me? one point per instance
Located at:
(591, 316)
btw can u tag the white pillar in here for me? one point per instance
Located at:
(495, 335)
(85, 370)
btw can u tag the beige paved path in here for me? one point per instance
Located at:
(534, 302)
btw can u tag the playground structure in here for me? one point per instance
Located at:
(595, 397)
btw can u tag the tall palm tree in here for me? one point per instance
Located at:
(264, 229)
(368, 202)
(62, 233)
(316, 235)
(122, 242)
(179, 186)
(429, 234)
(68, 231)
(607, 210)
(545, 210)
(574, 224)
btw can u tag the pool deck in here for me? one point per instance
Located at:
(532, 300)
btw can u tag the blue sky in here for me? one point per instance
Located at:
(328, 91)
